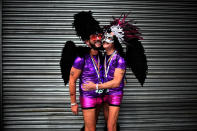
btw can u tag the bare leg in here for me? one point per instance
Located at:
(97, 112)
(89, 119)
(106, 111)
(112, 118)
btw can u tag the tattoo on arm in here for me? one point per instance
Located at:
(122, 73)
(72, 73)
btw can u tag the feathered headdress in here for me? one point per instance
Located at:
(123, 30)
(85, 25)
(129, 34)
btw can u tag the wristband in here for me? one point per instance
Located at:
(73, 104)
(97, 87)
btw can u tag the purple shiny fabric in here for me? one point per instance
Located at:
(113, 99)
(88, 74)
(87, 102)
(116, 62)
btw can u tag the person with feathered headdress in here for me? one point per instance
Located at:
(115, 63)
(84, 63)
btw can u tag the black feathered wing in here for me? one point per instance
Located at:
(69, 53)
(136, 59)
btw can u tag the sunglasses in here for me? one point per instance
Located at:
(96, 37)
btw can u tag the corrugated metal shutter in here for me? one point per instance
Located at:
(1, 93)
(34, 33)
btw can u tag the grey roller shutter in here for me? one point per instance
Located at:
(1, 92)
(34, 33)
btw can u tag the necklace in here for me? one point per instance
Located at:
(96, 66)
(97, 69)
(107, 63)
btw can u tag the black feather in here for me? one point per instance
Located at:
(85, 25)
(69, 53)
(118, 47)
(136, 59)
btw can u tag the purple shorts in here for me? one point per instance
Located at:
(113, 100)
(90, 103)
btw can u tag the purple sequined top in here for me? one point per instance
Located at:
(116, 62)
(88, 74)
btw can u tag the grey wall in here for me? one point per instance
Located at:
(34, 95)
(1, 111)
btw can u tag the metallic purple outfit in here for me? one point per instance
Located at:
(88, 99)
(114, 95)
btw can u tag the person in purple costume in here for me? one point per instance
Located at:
(87, 68)
(90, 69)
(115, 63)
(114, 72)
